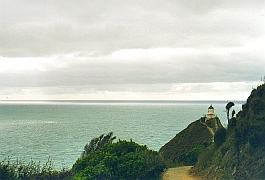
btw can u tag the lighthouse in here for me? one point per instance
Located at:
(210, 113)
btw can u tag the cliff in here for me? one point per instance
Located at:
(242, 153)
(186, 146)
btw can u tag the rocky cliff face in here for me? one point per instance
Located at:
(186, 146)
(242, 154)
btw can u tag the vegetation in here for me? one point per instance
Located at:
(239, 151)
(219, 137)
(97, 143)
(121, 160)
(228, 107)
(31, 171)
(186, 146)
(101, 159)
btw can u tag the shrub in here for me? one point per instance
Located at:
(257, 106)
(7, 170)
(97, 143)
(257, 139)
(121, 160)
(31, 171)
(232, 123)
(193, 154)
(219, 137)
(205, 158)
(261, 91)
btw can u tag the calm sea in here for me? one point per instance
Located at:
(38, 130)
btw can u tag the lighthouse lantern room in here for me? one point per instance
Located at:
(210, 113)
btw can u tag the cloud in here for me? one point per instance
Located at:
(152, 66)
(95, 27)
(178, 91)
(130, 49)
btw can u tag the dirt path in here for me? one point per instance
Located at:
(179, 173)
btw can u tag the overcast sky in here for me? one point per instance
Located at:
(121, 49)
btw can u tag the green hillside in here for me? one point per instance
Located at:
(242, 154)
(185, 147)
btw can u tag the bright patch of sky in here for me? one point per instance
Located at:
(171, 50)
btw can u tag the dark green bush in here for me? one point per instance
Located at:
(232, 123)
(257, 106)
(7, 170)
(242, 131)
(219, 137)
(261, 91)
(121, 160)
(18, 170)
(97, 143)
(193, 154)
(257, 139)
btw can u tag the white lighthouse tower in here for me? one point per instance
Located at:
(210, 113)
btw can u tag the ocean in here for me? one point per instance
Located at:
(59, 130)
